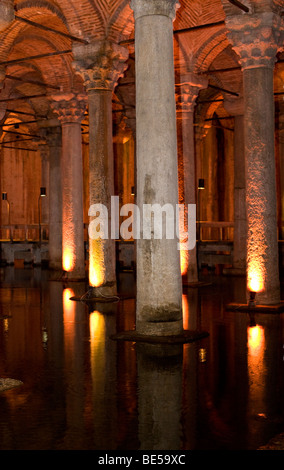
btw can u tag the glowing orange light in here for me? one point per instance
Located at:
(185, 312)
(96, 264)
(183, 262)
(255, 279)
(68, 260)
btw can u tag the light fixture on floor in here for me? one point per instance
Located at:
(252, 301)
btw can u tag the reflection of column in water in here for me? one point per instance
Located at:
(264, 354)
(103, 370)
(74, 324)
(191, 310)
(54, 326)
(159, 396)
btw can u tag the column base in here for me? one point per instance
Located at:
(101, 295)
(247, 308)
(185, 336)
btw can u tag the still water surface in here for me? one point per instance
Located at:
(84, 391)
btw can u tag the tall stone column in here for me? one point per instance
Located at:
(44, 155)
(186, 94)
(54, 142)
(159, 287)
(254, 38)
(235, 107)
(101, 64)
(70, 109)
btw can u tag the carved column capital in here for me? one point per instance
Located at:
(100, 64)
(255, 38)
(154, 7)
(69, 107)
(187, 91)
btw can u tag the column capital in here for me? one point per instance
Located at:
(69, 107)
(154, 7)
(187, 91)
(100, 64)
(255, 38)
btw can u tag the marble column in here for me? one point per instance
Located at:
(101, 64)
(159, 286)
(254, 38)
(235, 107)
(186, 94)
(70, 109)
(54, 142)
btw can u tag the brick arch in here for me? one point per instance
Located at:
(210, 49)
(121, 22)
(29, 9)
(42, 4)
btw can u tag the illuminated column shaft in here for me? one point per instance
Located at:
(70, 109)
(102, 268)
(53, 137)
(100, 78)
(235, 107)
(257, 58)
(159, 288)
(186, 94)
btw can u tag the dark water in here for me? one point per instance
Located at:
(82, 390)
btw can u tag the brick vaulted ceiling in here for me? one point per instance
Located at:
(200, 50)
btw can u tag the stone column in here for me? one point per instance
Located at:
(254, 38)
(54, 142)
(159, 287)
(186, 94)
(236, 108)
(44, 155)
(101, 64)
(70, 109)
(7, 13)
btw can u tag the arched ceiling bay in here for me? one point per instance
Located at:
(36, 50)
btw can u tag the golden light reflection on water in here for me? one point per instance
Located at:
(68, 305)
(97, 349)
(69, 311)
(256, 369)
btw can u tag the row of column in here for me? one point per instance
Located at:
(158, 122)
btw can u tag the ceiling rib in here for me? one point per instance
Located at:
(33, 57)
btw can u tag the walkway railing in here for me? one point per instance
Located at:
(214, 231)
(206, 231)
(24, 233)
